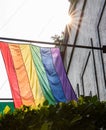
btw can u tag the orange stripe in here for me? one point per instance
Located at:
(23, 81)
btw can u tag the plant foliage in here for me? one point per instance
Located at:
(88, 113)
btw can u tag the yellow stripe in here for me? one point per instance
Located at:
(32, 75)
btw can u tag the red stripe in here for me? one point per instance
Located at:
(11, 74)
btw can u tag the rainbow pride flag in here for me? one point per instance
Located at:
(36, 74)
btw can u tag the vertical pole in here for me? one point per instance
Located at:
(84, 72)
(90, 94)
(95, 69)
(78, 90)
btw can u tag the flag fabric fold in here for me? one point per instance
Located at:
(36, 74)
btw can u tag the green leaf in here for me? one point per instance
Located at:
(74, 103)
(75, 119)
(46, 103)
(46, 126)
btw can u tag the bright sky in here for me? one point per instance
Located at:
(32, 20)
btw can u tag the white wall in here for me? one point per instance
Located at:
(87, 31)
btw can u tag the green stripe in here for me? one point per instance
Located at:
(42, 74)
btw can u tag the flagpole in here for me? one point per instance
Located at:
(52, 43)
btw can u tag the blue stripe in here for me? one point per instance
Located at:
(52, 76)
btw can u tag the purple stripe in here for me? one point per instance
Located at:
(67, 88)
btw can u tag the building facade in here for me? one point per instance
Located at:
(86, 68)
